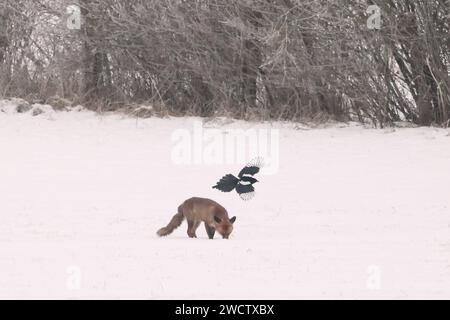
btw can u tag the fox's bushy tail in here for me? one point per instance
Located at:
(174, 223)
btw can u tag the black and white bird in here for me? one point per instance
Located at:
(243, 183)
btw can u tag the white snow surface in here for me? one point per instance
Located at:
(352, 213)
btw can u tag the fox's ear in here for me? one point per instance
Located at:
(232, 220)
(217, 219)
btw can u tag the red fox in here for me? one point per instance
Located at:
(197, 210)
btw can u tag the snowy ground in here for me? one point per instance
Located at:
(351, 213)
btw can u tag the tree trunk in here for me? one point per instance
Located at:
(3, 34)
(251, 63)
(95, 59)
(251, 58)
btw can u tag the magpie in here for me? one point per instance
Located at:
(243, 183)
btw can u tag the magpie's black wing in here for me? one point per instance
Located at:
(245, 191)
(252, 167)
(248, 179)
(244, 188)
(249, 170)
(227, 183)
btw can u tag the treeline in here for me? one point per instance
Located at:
(261, 59)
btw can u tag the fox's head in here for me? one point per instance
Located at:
(224, 226)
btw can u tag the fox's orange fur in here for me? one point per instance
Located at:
(196, 211)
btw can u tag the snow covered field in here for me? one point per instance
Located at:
(350, 213)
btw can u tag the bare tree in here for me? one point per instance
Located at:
(265, 59)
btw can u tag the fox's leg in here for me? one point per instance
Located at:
(192, 226)
(210, 231)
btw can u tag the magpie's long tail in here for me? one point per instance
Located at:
(227, 183)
